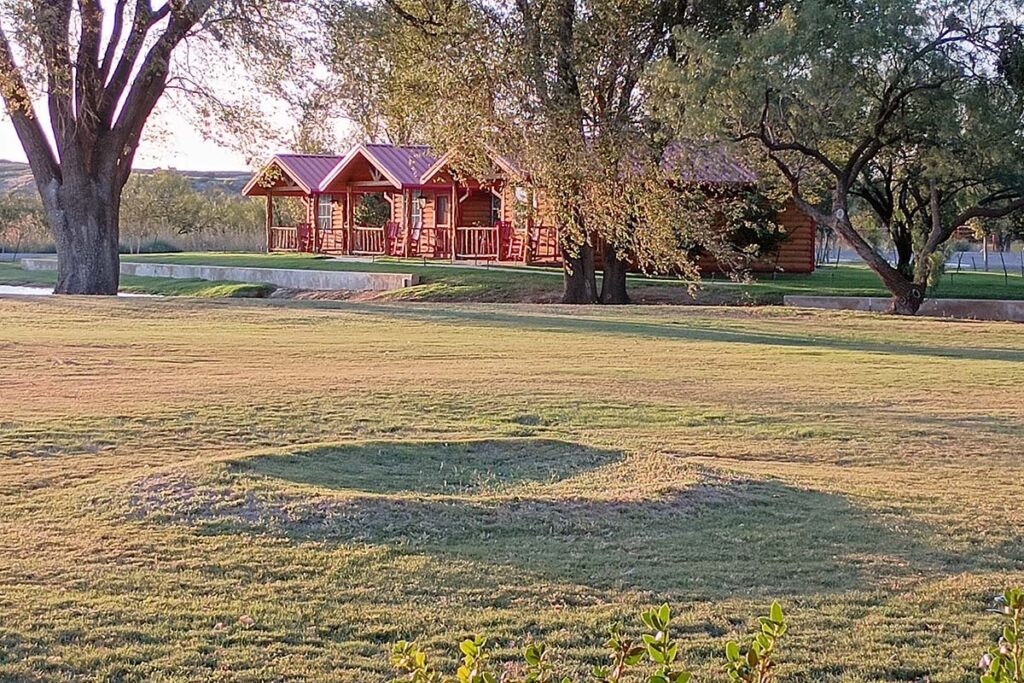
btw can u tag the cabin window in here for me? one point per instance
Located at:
(441, 210)
(324, 212)
(417, 209)
(495, 209)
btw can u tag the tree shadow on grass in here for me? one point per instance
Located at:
(457, 467)
(715, 538)
(679, 329)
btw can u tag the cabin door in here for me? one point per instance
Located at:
(442, 223)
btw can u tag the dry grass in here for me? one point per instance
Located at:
(350, 474)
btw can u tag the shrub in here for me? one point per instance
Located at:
(653, 658)
(1004, 663)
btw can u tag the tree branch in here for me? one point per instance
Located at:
(16, 98)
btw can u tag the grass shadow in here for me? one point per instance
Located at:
(672, 329)
(716, 537)
(459, 467)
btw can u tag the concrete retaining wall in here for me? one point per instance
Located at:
(329, 280)
(970, 309)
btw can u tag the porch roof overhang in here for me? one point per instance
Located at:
(398, 166)
(301, 175)
(503, 163)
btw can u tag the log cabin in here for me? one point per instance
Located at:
(433, 212)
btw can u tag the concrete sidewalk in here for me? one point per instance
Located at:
(966, 309)
(324, 280)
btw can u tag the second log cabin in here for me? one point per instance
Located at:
(432, 212)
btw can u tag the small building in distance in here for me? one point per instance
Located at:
(407, 201)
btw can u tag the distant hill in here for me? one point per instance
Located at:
(15, 177)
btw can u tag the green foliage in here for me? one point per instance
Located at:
(893, 107)
(625, 654)
(22, 223)
(661, 649)
(653, 658)
(165, 204)
(411, 663)
(1005, 662)
(372, 209)
(757, 665)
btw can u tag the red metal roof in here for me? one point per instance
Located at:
(692, 161)
(308, 170)
(706, 163)
(407, 163)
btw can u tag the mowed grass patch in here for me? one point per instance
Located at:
(506, 283)
(348, 474)
(13, 274)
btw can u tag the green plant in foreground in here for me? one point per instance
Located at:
(656, 648)
(758, 664)
(1005, 662)
(474, 662)
(411, 663)
(539, 668)
(661, 649)
(657, 645)
(625, 653)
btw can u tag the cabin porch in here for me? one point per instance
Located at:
(450, 224)
(383, 200)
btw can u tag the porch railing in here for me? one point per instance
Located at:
(284, 238)
(477, 242)
(544, 243)
(368, 241)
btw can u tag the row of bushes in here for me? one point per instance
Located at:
(654, 656)
(160, 211)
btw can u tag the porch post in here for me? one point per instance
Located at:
(526, 241)
(348, 217)
(270, 219)
(314, 225)
(406, 220)
(455, 216)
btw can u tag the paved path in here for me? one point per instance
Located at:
(965, 260)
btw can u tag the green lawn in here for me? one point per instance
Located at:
(849, 280)
(12, 274)
(447, 283)
(349, 474)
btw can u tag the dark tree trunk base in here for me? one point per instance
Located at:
(580, 279)
(907, 302)
(79, 276)
(84, 215)
(613, 280)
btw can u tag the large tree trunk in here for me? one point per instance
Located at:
(83, 213)
(908, 302)
(907, 295)
(903, 240)
(613, 280)
(580, 277)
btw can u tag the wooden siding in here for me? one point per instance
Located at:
(794, 255)
(476, 209)
(334, 240)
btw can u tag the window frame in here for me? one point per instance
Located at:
(325, 222)
(496, 202)
(445, 201)
(416, 212)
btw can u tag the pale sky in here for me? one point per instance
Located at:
(170, 142)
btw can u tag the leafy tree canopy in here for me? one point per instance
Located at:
(906, 106)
